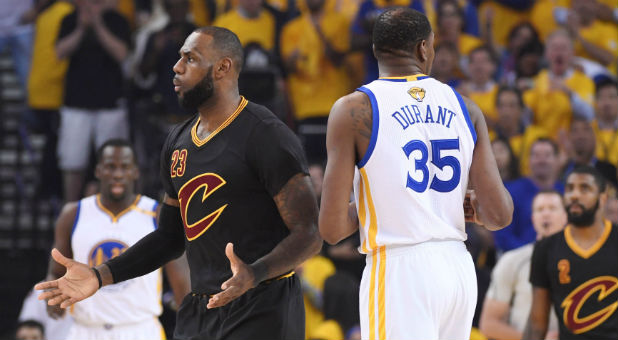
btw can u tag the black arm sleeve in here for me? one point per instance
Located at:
(538, 266)
(275, 154)
(154, 250)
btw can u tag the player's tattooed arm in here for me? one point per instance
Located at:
(347, 139)
(297, 206)
(361, 116)
(536, 328)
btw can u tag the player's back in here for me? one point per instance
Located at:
(99, 235)
(411, 183)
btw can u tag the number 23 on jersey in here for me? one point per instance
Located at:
(179, 161)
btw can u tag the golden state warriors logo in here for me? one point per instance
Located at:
(210, 183)
(572, 304)
(104, 251)
(417, 93)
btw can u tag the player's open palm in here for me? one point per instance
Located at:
(240, 282)
(78, 283)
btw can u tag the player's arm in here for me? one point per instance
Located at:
(493, 204)
(536, 327)
(62, 238)
(62, 242)
(297, 205)
(281, 168)
(350, 118)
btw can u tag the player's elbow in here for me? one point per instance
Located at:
(329, 232)
(499, 215)
(315, 242)
(331, 239)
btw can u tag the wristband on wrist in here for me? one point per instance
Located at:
(96, 272)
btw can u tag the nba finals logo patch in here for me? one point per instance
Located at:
(104, 251)
(417, 93)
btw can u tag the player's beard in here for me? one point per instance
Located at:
(199, 94)
(583, 219)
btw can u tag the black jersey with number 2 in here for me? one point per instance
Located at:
(225, 185)
(583, 283)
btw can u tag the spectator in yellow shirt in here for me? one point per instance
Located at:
(561, 91)
(481, 87)
(313, 48)
(251, 23)
(594, 39)
(450, 28)
(606, 122)
(260, 79)
(46, 90)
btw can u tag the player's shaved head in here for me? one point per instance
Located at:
(225, 43)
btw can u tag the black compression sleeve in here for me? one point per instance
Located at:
(154, 250)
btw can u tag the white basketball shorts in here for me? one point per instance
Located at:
(424, 291)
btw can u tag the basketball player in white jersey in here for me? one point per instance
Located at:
(100, 227)
(410, 146)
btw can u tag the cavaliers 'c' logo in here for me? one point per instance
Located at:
(574, 302)
(210, 182)
(417, 93)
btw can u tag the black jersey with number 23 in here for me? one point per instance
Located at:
(225, 185)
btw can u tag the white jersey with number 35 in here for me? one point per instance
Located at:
(410, 185)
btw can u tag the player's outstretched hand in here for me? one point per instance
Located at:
(240, 282)
(78, 283)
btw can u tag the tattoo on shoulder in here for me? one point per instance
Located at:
(362, 118)
(296, 202)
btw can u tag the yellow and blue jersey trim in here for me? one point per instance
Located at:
(154, 218)
(466, 114)
(375, 125)
(79, 206)
(414, 77)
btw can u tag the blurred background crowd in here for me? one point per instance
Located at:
(543, 72)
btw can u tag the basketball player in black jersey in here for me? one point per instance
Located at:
(577, 270)
(238, 200)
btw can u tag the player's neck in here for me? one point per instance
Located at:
(400, 67)
(115, 207)
(215, 111)
(590, 234)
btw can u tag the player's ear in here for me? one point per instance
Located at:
(223, 67)
(422, 50)
(603, 198)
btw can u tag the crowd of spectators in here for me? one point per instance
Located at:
(543, 72)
